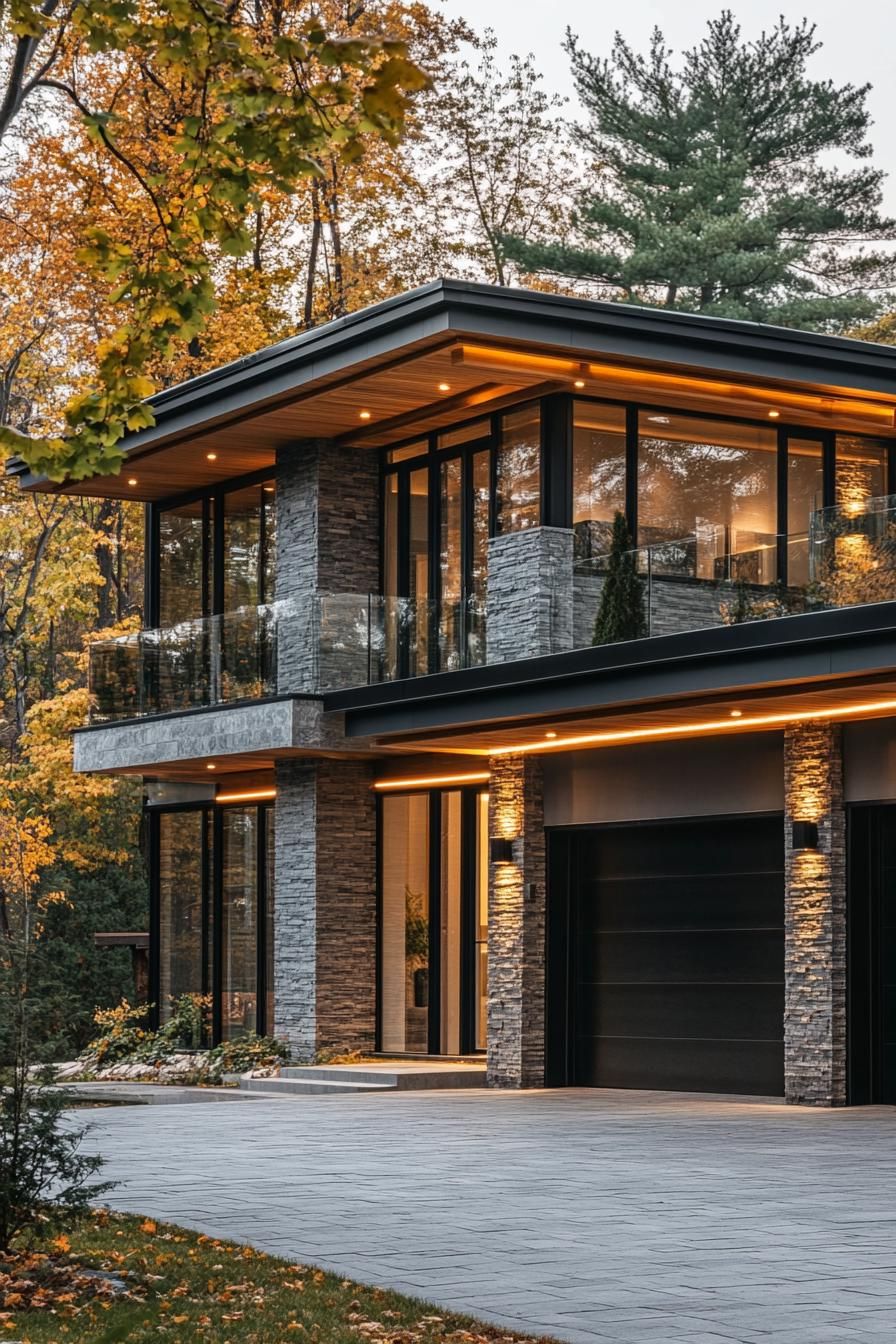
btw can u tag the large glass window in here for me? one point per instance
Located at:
(805, 494)
(215, 885)
(451, 572)
(181, 884)
(598, 474)
(404, 936)
(239, 922)
(710, 485)
(518, 503)
(184, 579)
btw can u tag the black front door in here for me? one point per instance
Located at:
(871, 955)
(666, 956)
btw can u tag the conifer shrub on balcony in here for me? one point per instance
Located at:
(622, 611)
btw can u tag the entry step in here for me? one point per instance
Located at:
(321, 1079)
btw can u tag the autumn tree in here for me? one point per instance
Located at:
(736, 183)
(236, 100)
(503, 164)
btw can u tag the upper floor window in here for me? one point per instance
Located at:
(598, 473)
(518, 502)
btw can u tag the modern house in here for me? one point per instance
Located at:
(399, 800)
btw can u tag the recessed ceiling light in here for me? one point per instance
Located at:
(579, 382)
(365, 415)
(269, 489)
(774, 415)
(132, 480)
(737, 713)
(550, 734)
(444, 387)
(212, 457)
(211, 766)
(659, 419)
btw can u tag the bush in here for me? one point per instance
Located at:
(123, 1032)
(245, 1053)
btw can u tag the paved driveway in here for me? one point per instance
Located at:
(588, 1215)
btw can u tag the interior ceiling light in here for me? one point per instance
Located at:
(211, 766)
(444, 387)
(737, 713)
(579, 382)
(621, 735)
(365, 415)
(132, 480)
(424, 781)
(212, 457)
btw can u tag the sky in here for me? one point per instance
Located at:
(858, 39)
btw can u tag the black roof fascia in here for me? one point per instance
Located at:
(851, 641)
(597, 329)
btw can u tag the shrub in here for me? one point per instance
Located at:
(245, 1053)
(123, 1032)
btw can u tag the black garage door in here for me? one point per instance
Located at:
(666, 956)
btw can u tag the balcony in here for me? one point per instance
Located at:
(334, 641)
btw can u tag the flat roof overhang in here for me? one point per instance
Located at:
(832, 663)
(489, 346)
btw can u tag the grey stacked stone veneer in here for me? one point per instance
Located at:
(815, 919)
(327, 562)
(516, 925)
(325, 918)
(530, 595)
(676, 606)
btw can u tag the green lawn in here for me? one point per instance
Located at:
(179, 1285)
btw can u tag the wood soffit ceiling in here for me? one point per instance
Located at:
(427, 387)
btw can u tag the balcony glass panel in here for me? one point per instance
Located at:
(712, 482)
(598, 474)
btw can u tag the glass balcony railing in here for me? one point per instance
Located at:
(334, 641)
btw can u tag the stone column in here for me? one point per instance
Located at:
(516, 926)
(530, 594)
(815, 919)
(327, 563)
(325, 906)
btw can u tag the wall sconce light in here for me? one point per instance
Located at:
(500, 849)
(805, 835)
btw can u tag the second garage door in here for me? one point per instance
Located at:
(666, 944)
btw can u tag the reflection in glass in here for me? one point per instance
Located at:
(598, 474)
(404, 1002)
(519, 470)
(861, 471)
(418, 572)
(713, 482)
(183, 568)
(270, 896)
(450, 918)
(181, 844)
(239, 922)
(805, 494)
(481, 968)
(480, 466)
(451, 622)
(242, 548)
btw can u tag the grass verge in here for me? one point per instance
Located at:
(119, 1278)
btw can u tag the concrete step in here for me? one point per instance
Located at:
(396, 1077)
(311, 1086)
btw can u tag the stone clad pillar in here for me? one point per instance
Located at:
(530, 594)
(516, 925)
(815, 918)
(325, 906)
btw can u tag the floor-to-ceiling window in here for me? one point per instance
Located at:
(213, 903)
(433, 922)
(598, 474)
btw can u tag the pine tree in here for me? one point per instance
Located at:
(621, 613)
(714, 189)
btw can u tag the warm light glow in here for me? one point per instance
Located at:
(774, 415)
(251, 796)
(737, 713)
(550, 734)
(212, 457)
(365, 415)
(132, 480)
(659, 380)
(269, 489)
(693, 729)
(427, 781)
(444, 387)
(579, 382)
(210, 766)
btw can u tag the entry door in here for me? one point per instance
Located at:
(871, 955)
(666, 956)
(433, 922)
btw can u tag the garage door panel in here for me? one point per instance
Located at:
(747, 900)
(621, 852)
(676, 952)
(703, 955)
(717, 1012)
(748, 1068)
